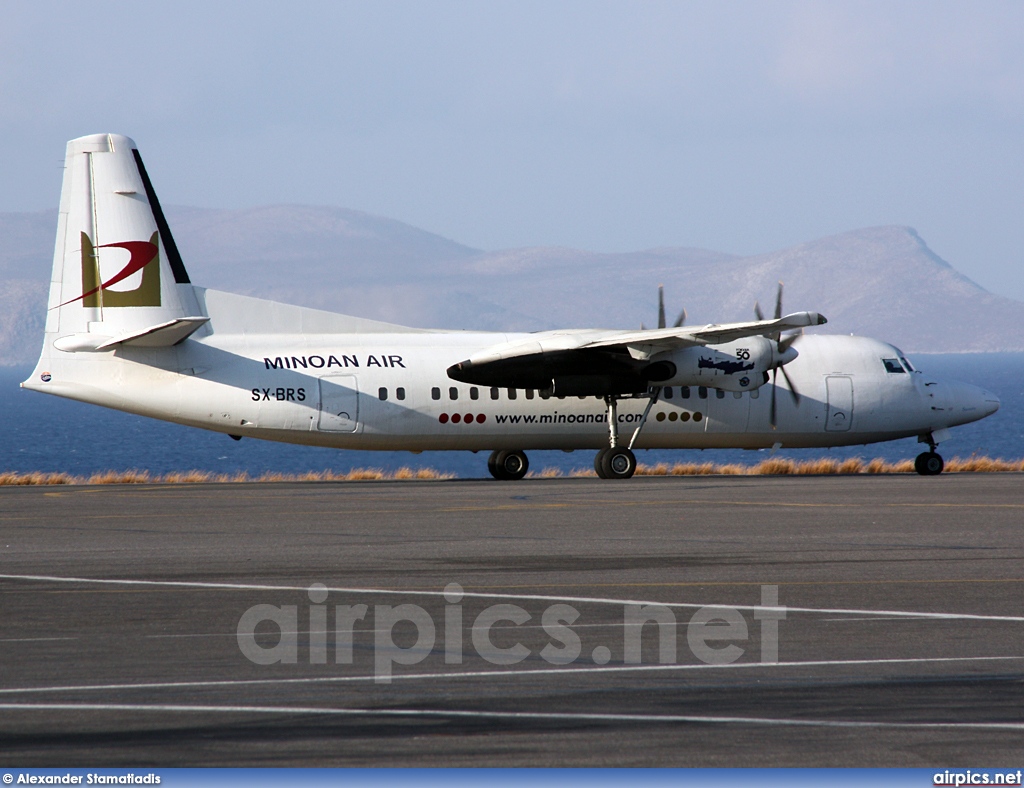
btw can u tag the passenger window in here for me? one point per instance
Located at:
(702, 392)
(511, 393)
(755, 393)
(545, 393)
(719, 393)
(529, 393)
(453, 393)
(435, 393)
(400, 393)
(382, 393)
(495, 393)
(684, 392)
(892, 365)
(667, 392)
(737, 395)
(474, 392)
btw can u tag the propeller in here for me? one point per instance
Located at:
(783, 343)
(778, 305)
(661, 312)
(792, 391)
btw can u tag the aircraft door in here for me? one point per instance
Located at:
(339, 404)
(840, 403)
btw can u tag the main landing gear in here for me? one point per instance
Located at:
(614, 462)
(929, 463)
(619, 462)
(508, 465)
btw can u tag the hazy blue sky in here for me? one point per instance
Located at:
(737, 126)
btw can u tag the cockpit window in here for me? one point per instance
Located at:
(907, 364)
(893, 365)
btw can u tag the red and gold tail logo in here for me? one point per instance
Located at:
(145, 257)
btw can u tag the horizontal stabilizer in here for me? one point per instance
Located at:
(161, 335)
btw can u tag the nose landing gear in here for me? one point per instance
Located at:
(929, 463)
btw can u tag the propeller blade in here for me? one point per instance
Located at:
(771, 413)
(757, 311)
(680, 320)
(792, 388)
(778, 302)
(661, 306)
(789, 339)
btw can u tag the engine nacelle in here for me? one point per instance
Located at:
(732, 366)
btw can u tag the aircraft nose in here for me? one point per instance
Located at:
(973, 402)
(989, 402)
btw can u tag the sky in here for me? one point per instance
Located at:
(742, 127)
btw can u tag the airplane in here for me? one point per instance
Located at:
(127, 329)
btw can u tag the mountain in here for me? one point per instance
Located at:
(882, 281)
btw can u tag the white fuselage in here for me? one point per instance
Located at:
(391, 392)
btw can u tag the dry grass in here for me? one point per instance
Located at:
(852, 465)
(431, 474)
(187, 477)
(13, 478)
(825, 466)
(8, 478)
(975, 464)
(773, 466)
(661, 469)
(364, 474)
(692, 469)
(120, 477)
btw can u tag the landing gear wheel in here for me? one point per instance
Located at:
(928, 463)
(598, 460)
(618, 463)
(508, 465)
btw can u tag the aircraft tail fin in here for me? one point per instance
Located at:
(117, 272)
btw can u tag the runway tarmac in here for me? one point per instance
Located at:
(133, 619)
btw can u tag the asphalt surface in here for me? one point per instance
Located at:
(129, 633)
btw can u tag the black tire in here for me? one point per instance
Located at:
(511, 465)
(492, 465)
(928, 463)
(598, 459)
(618, 463)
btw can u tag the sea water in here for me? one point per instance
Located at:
(39, 432)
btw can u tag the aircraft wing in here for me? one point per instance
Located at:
(534, 362)
(711, 334)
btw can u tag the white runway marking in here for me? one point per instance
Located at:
(559, 671)
(507, 715)
(519, 597)
(871, 618)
